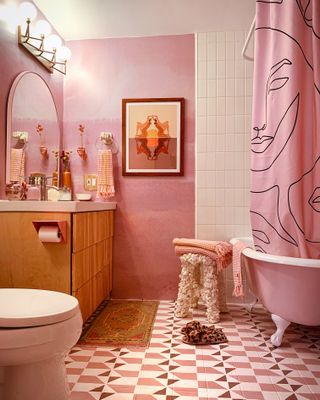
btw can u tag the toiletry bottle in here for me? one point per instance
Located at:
(55, 175)
(33, 192)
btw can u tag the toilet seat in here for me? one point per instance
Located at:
(23, 308)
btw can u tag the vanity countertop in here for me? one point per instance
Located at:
(55, 206)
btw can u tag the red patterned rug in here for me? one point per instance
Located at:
(122, 323)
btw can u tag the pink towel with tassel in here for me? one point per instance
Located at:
(220, 252)
(236, 267)
(17, 161)
(105, 175)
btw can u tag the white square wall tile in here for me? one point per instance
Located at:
(211, 37)
(221, 69)
(239, 70)
(211, 143)
(221, 106)
(221, 88)
(202, 69)
(221, 51)
(212, 69)
(202, 88)
(220, 143)
(201, 179)
(201, 50)
(212, 124)
(202, 37)
(221, 36)
(230, 107)
(205, 232)
(220, 179)
(211, 106)
(230, 50)
(219, 197)
(201, 124)
(230, 118)
(211, 88)
(220, 161)
(239, 87)
(221, 124)
(230, 69)
(205, 215)
(229, 36)
(211, 51)
(202, 143)
(202, 107)
(230, 87)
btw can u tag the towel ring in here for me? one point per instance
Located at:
(107, 141)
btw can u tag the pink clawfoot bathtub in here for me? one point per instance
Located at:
(288, 287)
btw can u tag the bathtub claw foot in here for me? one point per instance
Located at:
(249, 307)
(282, 325)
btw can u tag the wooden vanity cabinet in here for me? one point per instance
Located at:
(82, 266)
(92, 259)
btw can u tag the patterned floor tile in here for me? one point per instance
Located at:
(246, 367)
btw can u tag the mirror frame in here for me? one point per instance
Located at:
(9, 118)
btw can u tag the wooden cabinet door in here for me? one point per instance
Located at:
(25, 261)
(92, 258)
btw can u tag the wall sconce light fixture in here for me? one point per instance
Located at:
(44, 47)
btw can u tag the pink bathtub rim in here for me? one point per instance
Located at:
(288, 287)
(257, 255)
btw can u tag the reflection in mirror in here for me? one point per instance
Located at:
(32, 130)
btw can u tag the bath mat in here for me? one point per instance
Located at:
(122, 323)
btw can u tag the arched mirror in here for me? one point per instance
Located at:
(33, 133)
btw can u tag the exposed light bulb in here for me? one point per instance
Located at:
(64, 53)
(42, 28)
(52, 42)
(27, 10)
(9, 14)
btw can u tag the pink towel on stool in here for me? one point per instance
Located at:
(105, 174)
(220, 252)
(236, 267)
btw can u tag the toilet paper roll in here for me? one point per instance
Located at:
(49, 234)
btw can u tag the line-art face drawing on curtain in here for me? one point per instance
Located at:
(152, 137)
(305, 8)
(277, 128)
(285, 177)
(307, 218)
(268, 229)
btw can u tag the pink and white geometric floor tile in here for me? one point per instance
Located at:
(246, 367)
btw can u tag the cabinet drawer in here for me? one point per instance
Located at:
(84, 296)
(82, 267)
(90, 228)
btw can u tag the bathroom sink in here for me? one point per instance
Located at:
(55, 206)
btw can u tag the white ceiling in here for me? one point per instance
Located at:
(92, 19)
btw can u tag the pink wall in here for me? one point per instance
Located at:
(151, 210)
(14, 60)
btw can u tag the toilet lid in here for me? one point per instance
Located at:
(35, 307)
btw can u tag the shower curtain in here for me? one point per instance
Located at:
(285, 139)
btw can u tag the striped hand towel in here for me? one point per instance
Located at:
(105, 175)
(236, 267)
(17, 162)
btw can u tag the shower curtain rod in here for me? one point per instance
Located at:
(243, 53)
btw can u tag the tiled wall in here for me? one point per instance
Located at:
(224, 97)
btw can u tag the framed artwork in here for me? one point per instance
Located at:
(152, 136)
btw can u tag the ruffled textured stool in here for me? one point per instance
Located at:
(201, 277)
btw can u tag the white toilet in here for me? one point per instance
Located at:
(37, 330)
